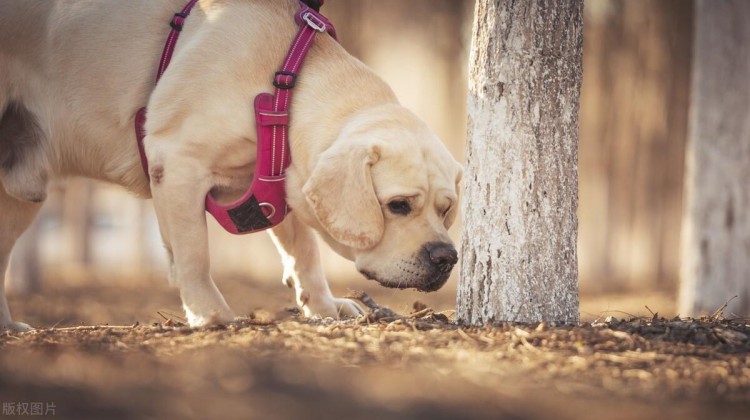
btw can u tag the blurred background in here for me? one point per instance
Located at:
(96, 240)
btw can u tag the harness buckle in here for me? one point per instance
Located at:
(280, 79)
(314, 22)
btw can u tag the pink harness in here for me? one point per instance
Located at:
(264, 204)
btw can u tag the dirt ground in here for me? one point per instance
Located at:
(145, 364)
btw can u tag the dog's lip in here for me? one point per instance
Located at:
(386, 283)
(368, 275)
(434, 284)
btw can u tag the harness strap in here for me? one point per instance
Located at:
(264, 204)
(178, 20)
(311, 23)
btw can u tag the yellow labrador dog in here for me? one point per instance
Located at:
(367, 175)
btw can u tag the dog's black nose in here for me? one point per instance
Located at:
(443, 255)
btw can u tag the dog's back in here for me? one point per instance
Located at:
(72, 74)
(23, 29)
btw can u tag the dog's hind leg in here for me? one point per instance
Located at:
(15, 217)
(23, 179)
(299, 252)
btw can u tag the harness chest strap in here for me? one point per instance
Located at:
(264, 204)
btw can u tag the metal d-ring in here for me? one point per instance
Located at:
(270, 206)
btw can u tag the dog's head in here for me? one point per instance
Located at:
(384, 195)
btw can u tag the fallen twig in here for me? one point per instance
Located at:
(377, 312)
(719, 312)
(95, 327)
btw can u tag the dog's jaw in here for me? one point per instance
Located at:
(410, 275)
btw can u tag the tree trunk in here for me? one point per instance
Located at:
(519, 260)
(634, 122)
(716, 224)
(24, 274)
(76, 213)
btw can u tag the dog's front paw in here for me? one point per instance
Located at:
(15, 326)
(204, 305)
(336, 308)
(197, 319)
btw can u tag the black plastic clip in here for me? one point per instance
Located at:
(313, 4)
(178, 21)
(280, 82)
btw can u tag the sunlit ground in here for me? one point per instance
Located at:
(90, 299)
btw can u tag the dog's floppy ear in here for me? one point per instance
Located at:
(453, 212)
(341, 193)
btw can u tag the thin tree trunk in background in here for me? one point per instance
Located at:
(519, 260)
(76, 226)
(716, 225)
(634, 111)
(24, 273)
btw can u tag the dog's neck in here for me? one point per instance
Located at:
(334, 86)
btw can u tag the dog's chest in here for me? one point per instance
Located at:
(232, 178)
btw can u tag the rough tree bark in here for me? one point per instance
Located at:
(716, 222)
(519, 260)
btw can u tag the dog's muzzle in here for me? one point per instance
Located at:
(427, 272)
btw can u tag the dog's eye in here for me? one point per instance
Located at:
(446, 211)
(401, 207)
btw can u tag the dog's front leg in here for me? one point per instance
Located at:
(179, 185)
(299, 252)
